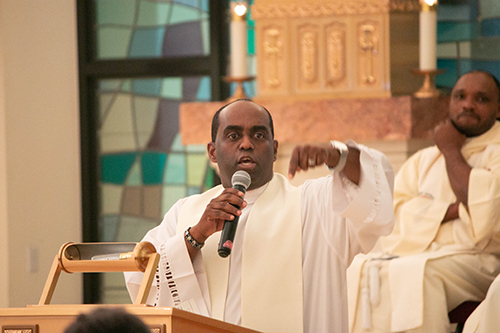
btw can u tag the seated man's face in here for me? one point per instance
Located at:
(474, 104)
(244, 142)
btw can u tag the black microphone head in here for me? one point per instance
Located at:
(241, 178)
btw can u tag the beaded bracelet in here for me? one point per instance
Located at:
(193, 242)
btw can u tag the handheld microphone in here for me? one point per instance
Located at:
(241, 181)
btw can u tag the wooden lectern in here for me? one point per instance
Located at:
(107, 257)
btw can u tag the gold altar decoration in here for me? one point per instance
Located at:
(318, 49)
(104, 257)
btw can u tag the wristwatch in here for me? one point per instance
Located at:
(343, 151)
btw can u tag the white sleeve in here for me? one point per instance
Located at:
(371, 211)
(178, 282)
(351, 218)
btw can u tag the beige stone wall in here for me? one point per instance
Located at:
(40, 200)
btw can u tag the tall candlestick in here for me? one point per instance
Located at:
(238, 40)
(428, 34)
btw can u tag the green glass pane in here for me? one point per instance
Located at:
(251, 41)
(118, 119)
(175, 172)
(152, 164)
(110, 85)
(153, 13)
(196, 149)
(109, 227)
(196, 166)
(147, 43)
(146, 112)
(172, 88)
(127, 86)
(146, 109)
(105, 103)
(111, 199)
(181, 14)
(115, 167)
(115, 12)
(205, 35)
(252, 65)
(132, 229)
(177, 144)
(209, 179)
(490, 9)
(134, 176)
(113, 42)
(171, 194)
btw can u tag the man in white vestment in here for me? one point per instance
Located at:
(486, 317)
(445, 245)
(287, 267)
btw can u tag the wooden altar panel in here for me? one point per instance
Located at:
(320, 49)
(55, 318)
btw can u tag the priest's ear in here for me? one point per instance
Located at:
(211, 152)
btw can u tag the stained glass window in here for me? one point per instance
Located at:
(152, 29)
(141, 60)
(144, 167)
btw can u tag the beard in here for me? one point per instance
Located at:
(471, 132)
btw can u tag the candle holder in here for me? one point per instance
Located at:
(428, 88)
(239, 93)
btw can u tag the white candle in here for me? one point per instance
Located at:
(238, 40)
(428, 35)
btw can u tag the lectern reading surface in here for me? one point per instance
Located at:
(106, 257)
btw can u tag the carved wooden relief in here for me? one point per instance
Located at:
(262, 9)
(273, 54)
(308, 53)
(335, 53)
(20, 329)
(368, 45)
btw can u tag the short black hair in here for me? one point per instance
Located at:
(215, 119)
(107, 320)
(493, 77)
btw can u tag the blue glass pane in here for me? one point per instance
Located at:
(115, 167)
(147, 43)
(193, 190)
(152, 167)
(490, 27)
(447, 31)
(204, 90)
(448, 78)
(204, 5)
(456, 12)
(491, 66)
(149, 87)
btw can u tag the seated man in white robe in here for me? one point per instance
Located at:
(445, 245)
(287, 267)
(486, 318)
